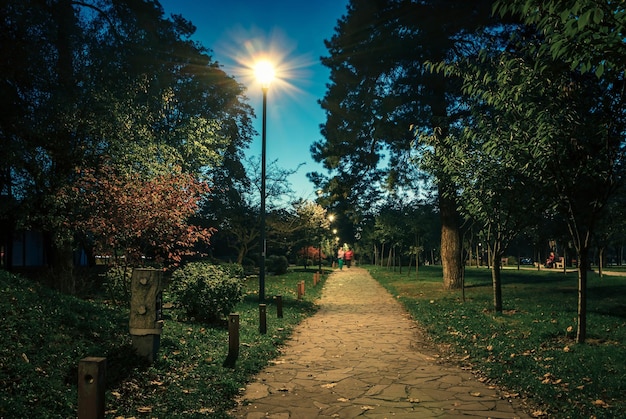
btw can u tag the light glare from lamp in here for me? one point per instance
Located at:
(264, 71)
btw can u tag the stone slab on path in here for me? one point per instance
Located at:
(361, 356)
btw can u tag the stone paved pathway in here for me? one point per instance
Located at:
(361, 355)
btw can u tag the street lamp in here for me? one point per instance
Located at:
(265, 73)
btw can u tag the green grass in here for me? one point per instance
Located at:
(530, 348)
(45, 335)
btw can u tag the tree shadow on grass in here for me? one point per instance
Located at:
(121, 363)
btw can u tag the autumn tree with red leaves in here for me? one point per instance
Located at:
(124, 215)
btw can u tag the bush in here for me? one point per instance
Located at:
(207, 292)
(233, 270)
(277, 264)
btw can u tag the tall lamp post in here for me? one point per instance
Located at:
(264, 73)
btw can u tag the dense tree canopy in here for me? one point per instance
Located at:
(116, 81)
(509, 102)
(382, 94)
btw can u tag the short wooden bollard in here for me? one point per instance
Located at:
(300, 289)
(233, 339)
(91, 386)
(263, 318)
(279, 306)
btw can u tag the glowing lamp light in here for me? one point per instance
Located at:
(265, 73)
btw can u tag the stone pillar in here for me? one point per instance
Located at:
(146, 312)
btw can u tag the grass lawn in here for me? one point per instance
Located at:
(529, 348)
(45, 335)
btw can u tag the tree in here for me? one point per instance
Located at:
(233, 207)
(492, 184)
(313, 221)
(572, 122)
(488, 165)
(380, 88)
(93, 79)
(588, 35)
(130, 218)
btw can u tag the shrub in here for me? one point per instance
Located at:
(234, 270)
(277, 264)
(207, 292)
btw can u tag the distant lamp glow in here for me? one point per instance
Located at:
(264, 71)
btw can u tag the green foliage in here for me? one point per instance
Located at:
(107, 80)
(277, 264)
(117, 283)
(205, 291)
(234, 270)
(530, 347)
(586, 34)
(45, 334)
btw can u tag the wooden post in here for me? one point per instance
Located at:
(91, 386)
(279, 306)
(233, 340)
(299, 290)
(302, 288)
(263, 318)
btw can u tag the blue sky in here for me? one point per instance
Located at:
(293, 33)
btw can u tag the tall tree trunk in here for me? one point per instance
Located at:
(496, 278)
(583, 265)
(451, 260)
(241, 253)
(417, 264)
(375, 255)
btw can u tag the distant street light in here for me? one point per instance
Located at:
(265, 73)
